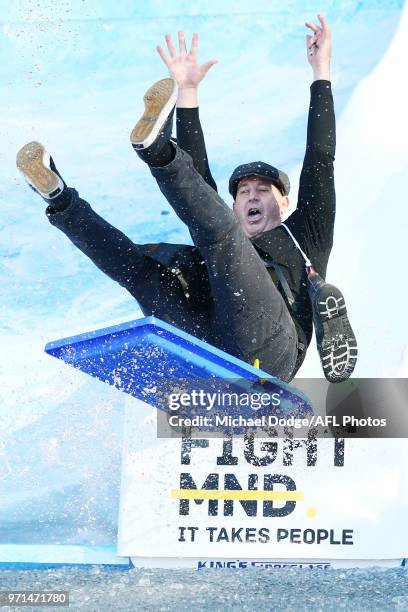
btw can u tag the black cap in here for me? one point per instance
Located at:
(263, 170)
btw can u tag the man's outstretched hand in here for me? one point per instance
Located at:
(318, 46)
(184, 68)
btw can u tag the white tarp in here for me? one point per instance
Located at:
(348, 498)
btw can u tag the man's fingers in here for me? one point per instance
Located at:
(170, 45)
(163, 55)
(182, 42)
(312, 26)
(205, 67)
(323, 21)
(194, 45)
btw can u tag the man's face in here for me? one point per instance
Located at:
(259, 205)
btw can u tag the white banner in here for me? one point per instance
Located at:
(262, 499)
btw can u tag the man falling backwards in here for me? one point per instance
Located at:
(252, 284)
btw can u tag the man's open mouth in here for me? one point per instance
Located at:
(254, 214)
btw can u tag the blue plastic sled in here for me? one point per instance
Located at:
(146, 357)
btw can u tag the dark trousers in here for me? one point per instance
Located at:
(245, 314)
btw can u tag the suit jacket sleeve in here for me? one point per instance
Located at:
(313, 220)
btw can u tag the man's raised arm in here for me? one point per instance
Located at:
(321, 124)
(184, 69)
(317, 201)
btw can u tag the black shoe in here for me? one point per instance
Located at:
(336, 342)
(156, 122)
(38, 169)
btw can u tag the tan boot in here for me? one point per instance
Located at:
(159, 101)
(38, 169)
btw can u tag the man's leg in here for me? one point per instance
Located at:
(250, 317)
(156, 289)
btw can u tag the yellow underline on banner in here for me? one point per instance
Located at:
(237, 494)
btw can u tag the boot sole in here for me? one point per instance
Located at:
(338, 350)
(159, 101)
(33, 162)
